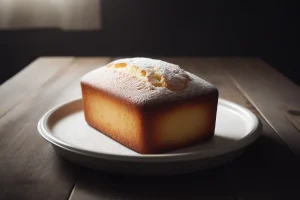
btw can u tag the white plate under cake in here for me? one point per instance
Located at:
(65, 128)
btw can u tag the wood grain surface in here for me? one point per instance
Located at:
(271, 93)
(29, 168)
(29, 80)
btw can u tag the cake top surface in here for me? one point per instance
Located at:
(146, 81)
(156, 72)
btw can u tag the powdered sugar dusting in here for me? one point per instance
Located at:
(139, 92)
(156, 72)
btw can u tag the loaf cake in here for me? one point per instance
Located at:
(148, 105)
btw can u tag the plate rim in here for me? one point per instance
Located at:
(171, 157)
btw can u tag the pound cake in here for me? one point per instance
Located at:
(148, 105)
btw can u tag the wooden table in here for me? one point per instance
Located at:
(269, 169)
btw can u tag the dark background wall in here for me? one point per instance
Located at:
(169, 28)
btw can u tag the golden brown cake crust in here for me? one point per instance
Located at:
(151, 97)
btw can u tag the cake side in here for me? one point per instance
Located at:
(114, 118)
(181, 124)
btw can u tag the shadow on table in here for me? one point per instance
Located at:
(265, 171)
(196, 186)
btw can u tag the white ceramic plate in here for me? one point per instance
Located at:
(65, 128)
